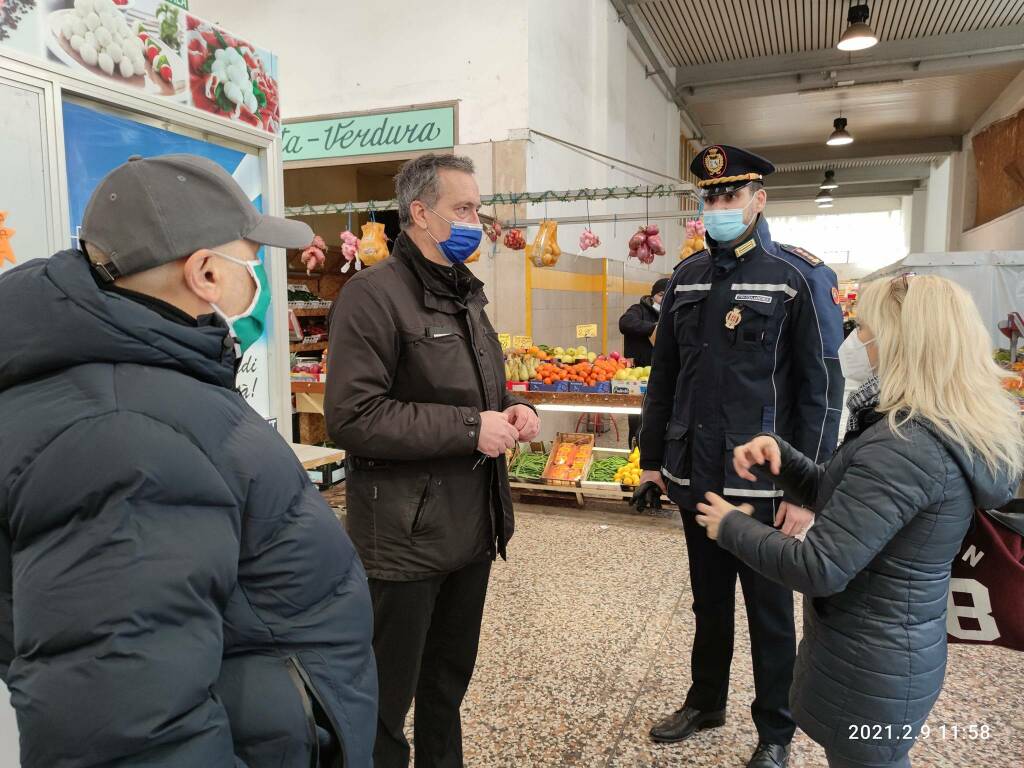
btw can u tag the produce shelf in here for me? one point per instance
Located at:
(310, 312)
(587, 489)
(320, 346)
(584, 402)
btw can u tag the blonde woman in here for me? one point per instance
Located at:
(931, 437)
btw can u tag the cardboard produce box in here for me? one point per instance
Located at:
(570, 459)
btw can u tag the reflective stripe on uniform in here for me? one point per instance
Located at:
(668, 475)
(750, 494)
(788, 290)
(693, 287)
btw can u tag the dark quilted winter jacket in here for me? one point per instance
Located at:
(173, 590)
(891, 514)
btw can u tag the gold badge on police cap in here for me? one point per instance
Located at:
(733, 318)
(714, 161)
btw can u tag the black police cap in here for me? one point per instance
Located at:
(721, 169)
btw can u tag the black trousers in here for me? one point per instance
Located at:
(713, 573)
(425, 638)
(634, 429)
(834, 761)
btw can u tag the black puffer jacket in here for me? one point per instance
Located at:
(173, 590)
(891, 514)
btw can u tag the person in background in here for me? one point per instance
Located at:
(637, 325)
(175, 592)
(747, 342)
(932, 437)
(416, 395)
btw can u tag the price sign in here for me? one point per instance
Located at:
(522, 342)
(586, 331)
(506, 342)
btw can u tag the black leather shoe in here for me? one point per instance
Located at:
(685, 722)
(770, 756)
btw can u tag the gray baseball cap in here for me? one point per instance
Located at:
(152, 211)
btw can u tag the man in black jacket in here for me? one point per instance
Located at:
(637, 326)
(173, 590)
(417, 397)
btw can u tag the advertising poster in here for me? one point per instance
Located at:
(96, 142)
(230, 78)
(153, 46)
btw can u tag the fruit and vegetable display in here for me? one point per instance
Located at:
(607, 470)
(694, 242)
(551, 365)
(373, 245)
(570, 458)
(350, 251)
(228, 78)
(315, 255)
(493, 231)
(528, 466)
(629, 473)
(514, 240)
(642, 373)
(646, 244)
(545, 251)
(588, 240)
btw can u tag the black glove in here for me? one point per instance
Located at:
(647, 496)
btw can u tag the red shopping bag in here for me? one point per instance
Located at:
(986, 591)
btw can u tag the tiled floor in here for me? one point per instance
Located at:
(586, 642)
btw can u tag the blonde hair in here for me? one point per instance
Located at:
(935, 362)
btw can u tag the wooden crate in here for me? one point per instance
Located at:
(577, 439)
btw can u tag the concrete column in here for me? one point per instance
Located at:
(918, 220)
(940, 206)
(907, 212)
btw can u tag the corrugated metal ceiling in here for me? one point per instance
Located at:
(858, 162)
(691, 32)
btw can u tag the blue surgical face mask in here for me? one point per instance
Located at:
(726, 225)
(461, 243)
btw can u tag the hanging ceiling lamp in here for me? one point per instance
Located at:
(825, 205)
(840, 135)
(858, 34)
(830, 181)
(824, 197)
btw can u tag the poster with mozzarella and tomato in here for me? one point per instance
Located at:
(136, 44)
(231, 78)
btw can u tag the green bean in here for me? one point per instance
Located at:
(603, 471)
(529, 465)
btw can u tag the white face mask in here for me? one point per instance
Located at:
(853, 359)
(657, 306)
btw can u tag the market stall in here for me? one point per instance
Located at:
(994, 278)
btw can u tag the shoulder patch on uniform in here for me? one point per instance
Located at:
(689, 259)
(807, 256)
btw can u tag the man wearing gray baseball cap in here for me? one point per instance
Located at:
(173, 590)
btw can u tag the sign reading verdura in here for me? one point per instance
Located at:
(418, 129)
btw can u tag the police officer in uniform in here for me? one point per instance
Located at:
(747, 342)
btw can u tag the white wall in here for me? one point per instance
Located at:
(1006, 232)
(587, 87)
(358, 56)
